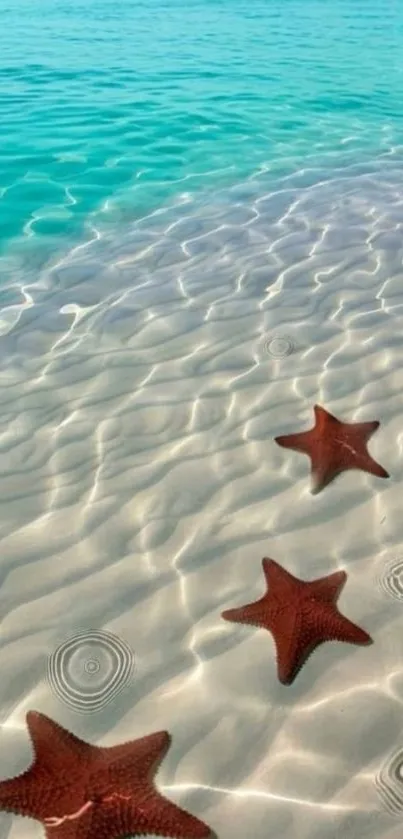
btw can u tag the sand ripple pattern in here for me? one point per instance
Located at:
(141, 485)
(88, 671)
(389, 783)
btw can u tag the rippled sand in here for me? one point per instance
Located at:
(141, 486)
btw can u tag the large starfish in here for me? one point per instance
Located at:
(300, 615)
(80, 791)
(333, 447)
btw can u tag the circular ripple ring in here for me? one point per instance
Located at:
(279, 346)
(90, 669)
(389, 783)
(391, 580)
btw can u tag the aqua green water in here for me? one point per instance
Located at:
(109, 111)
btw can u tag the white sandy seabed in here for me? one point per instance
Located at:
(141, 486)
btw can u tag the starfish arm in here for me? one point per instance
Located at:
(364, 430)
(276, 576)
(375, 468)
(336, 627)
(55, 747)
(137, 761)
(300, 442)
(287, 638)
(364, 461)
(326, 464)
(293, 649)
(24, 796)
(322, 415)
(324, 467)
(251, 613)
(287, 666)
(327, 588)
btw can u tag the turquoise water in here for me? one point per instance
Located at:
(112, 110)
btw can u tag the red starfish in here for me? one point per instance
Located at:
(300, 615)
(333, 447)
(79, 791)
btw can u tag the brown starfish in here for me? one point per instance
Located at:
(300, 615)
(333, 447)
(80, 791)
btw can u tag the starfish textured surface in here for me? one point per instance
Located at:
(300, 615)
(333, 447)
(80, 791)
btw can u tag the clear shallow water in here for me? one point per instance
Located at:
(182, 191)
(110, 111)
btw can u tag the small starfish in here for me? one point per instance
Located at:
(300, 615)
(333, 447)
(80, 791)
